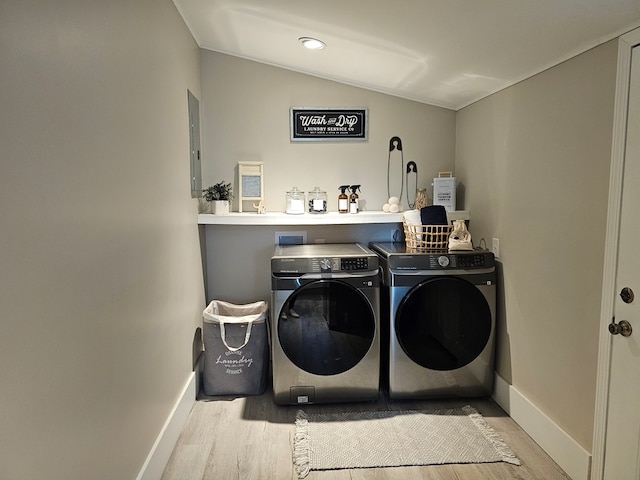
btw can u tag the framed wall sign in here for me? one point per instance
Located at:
(322, 124)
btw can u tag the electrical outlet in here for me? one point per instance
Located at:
(495, 247)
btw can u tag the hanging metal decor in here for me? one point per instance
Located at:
(412, 168)
(395, 143)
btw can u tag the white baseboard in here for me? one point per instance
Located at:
(564, 450)
(158, 457)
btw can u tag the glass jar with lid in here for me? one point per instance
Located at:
(295, 201)
(317, 201)
(421, 198)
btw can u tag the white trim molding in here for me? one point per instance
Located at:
(625, 46)
(160, 453)
(559, 445)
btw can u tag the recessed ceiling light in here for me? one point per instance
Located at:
(312, 43)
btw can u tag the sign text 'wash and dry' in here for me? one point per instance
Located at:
(328, 124)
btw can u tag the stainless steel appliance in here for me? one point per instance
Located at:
(440, 312)
(325, 318)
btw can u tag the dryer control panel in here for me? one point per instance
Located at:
(476, 260)
(397, 257)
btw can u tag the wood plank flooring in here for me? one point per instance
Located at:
(251, 438)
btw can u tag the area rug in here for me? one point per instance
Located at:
(395, 438)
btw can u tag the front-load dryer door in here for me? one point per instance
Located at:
(443, 323)
(326, 327)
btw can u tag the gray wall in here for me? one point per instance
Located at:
(535, 162)
(245, 109)
(101, 287)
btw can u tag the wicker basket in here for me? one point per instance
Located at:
(426, 237)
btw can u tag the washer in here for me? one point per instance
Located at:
(325, 321)
(440, 309)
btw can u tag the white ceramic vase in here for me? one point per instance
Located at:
(220, 207)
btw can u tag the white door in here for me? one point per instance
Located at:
(622, 447)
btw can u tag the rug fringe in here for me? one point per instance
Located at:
(507, 454)
(301, 457)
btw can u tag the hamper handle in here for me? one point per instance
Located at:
(246, 337)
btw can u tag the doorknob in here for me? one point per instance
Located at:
(622, 327)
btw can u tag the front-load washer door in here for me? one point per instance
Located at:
(326, 327)
(443, 323)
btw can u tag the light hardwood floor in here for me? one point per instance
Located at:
(251, 439)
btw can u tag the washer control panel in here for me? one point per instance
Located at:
(356, 263)
(324, 264)
(339, 264)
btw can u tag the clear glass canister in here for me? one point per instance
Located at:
(421, 198)
(295, 201)
(317, 201)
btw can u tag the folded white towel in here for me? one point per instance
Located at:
(412, 217)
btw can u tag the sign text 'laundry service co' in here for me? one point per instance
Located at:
(328, 124)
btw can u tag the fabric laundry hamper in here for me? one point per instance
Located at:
(236, 348)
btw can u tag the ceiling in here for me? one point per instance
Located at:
(448, 53)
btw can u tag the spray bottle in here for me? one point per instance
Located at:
(343, 200)
(353, 199)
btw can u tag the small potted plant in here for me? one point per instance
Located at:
(219, 196)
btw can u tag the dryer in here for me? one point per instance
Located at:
(325, 318)
(440, 308)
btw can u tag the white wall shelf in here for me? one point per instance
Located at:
(330, 218)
